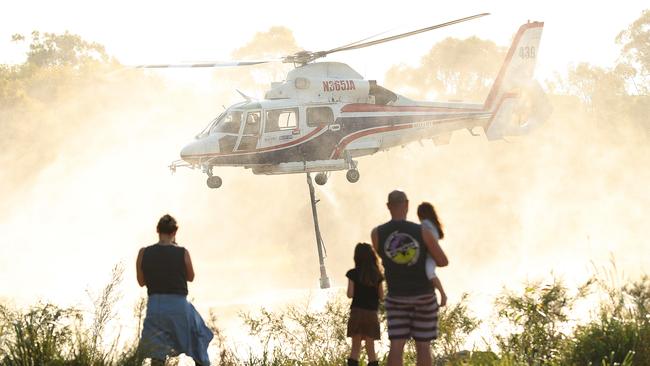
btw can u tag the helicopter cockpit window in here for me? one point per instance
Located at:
(228, 123)
(318, 116)
(281, 119)
(253, 121)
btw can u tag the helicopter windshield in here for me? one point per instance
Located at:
(204, 132)
(228, 122)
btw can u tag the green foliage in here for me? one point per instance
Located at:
(297, 335)
(537, 317)
(479, 358)
(38, 336)
(605, 339)
(47, 334)
(620, 332)
(301, 335)
(455, 325)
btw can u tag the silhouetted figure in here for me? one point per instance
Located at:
(172, 325)
(411, 305)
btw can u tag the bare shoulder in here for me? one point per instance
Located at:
(144, 248)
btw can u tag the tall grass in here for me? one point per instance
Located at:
(540, 331)
(46, 334)
(299, 335)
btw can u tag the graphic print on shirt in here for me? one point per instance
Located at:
(402, 248)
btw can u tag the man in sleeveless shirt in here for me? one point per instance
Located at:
(411, 305)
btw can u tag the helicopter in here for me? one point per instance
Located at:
(325, 114)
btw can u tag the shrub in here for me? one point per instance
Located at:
(297, 335)
(50, 335)
(537, 317)
(621, 331)
(39, 336)
(455, 324)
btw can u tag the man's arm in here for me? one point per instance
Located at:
(189, 269)
(434, 248)
(138, 268)
(375, 240)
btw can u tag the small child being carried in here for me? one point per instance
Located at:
(429, 219)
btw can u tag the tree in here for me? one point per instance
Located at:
(274, 43)
(48, 100)
(636, 48)
(51, 49)
(453, 68)
(602, 90)
(617, 96)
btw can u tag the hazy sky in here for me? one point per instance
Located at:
(165, 31)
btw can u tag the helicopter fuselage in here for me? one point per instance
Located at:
(267, 136)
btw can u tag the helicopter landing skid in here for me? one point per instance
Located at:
(322, 253)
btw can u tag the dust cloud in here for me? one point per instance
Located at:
(86, 192)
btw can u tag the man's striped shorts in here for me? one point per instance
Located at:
(412, 317)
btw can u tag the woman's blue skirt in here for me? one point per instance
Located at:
(173, 326)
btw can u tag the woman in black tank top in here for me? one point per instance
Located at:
(172, 326)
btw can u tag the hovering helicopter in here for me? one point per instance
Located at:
(325, 114)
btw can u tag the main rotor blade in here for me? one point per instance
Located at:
(361, 40)
(403, 35)
(205, 64)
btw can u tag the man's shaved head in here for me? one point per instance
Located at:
(398, 205)
(397, 197)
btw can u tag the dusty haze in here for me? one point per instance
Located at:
(86, 188)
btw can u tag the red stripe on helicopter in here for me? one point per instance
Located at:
(497, 83)
(288, 144)
(341, 146)
(361, 107)
(346, 141)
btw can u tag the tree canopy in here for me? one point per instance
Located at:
(452, 69)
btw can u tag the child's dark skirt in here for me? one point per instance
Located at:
(363, 323)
